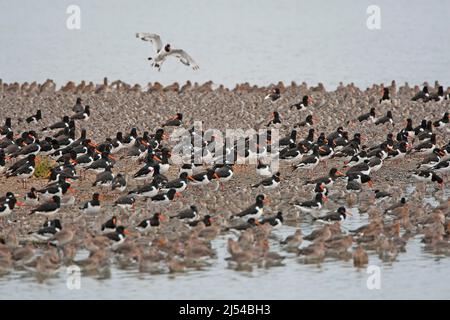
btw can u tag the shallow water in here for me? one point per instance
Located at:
(259, 41)
(414, 274)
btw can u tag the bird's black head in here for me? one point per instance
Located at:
(121, 230)
(56, 223)
(167, 48)
(96, 196)
(341, 210)
(184, 175)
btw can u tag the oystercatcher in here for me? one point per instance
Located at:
(49, 208)
(274, 95)
(83, 115)
(104, 179)
(118, 236)
(328, 181)
(48, 230)
(190, 214)
(164, 198)
(175, 121)
(269, 183)
(250, 223)
(428, 176)
(109, 225)
(125, 202)
(308, 122)
(370, 116)
(385, 97)
(93, 206)
(34, 118)
(207, 221)
(255, 211)
(443, 121)
(154, 221)
(422, 95)
(425, 147)
(386, 119)
(275, 121)
(119, 182)
(339, 215)
(147, 190)
(275, 221)
(306, 100)
(31, 198)
(311, 206)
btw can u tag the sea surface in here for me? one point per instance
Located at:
(233, 41)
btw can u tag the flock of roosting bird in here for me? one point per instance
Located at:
(163, 242)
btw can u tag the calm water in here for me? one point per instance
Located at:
(415, 274)
(233, 41)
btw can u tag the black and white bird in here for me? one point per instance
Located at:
(386, 119)
(125, 202)
(84, 115)
(49, 208)
(162, 53)
(164, 198)
(269, 183)
(306, 100)
(152, 222)
(104, 179)
(274, 95)
(255, 211)
(370, 116)
(7, 207)
(339, 215)
(428, 176)
(442, 167)
(110, 225)
(93, 206)
(275, 221)
(190, 214)
(396, 205)
(118, 236)
(119, 183)
(32, 198)
(443, 121)
(34, 118)
(48, 230)
(312, 206)
(263, 169)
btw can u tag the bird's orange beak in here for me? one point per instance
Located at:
(370, 183)
(216, 176)
(266, 201)
(155, 157)
(20, 204)
(162, 218)
(191, 178)
(339, 174)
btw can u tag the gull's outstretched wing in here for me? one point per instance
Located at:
(184, 58)
(153, 38)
